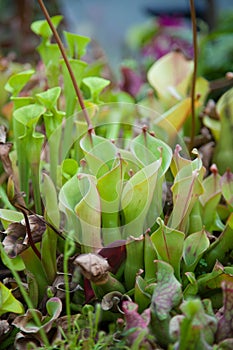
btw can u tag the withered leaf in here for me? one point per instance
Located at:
(37, 227)
(93, 266)
(113, 301)
(16, 240)
(26, 341)
(5, 149)
(2, 134)
(26, 322)
(4, 327)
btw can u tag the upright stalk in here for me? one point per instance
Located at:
(194, 31)
(61, 47)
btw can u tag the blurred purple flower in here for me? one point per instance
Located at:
(131, 81)
(167, 38)
(170, 21)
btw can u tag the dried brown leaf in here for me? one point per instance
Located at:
(37, 227)
(2, 134)
(14, 241)
(4, 327)
(26, 341)
(5, 149)
(93, 266)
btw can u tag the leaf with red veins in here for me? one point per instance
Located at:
(135, 320)
(167, 293)
(225, 322)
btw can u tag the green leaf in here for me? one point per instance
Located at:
(141, 296)
(50, 55)
(49, 239)
(76, 44)
(227, 187)
(214, 125)
(167, 293)
(195, 219)
(54, 307)
(186, 189)
(192, 288)
(8, 303)
(25, 120)
(147, 149)
(136, 199)
(42, 27)
(100, 153)
(210, 200)
(95, 85)
(88, 211)
(149, 256)
(38, 281)
(195, 329)
(223, 154)
(78, 68)
(49, 97)
(194, 247)
(168, 244)
(29, 115)
(69, 168)
(22, 101)
(178, 162)
(17, 81)
(134, 247)
(69, 195)
(8, 216)
(221, 248)
(209, 284)
(110, 187)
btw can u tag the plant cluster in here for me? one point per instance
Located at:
(115, 235)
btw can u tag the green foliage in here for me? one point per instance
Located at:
(8, 303)
(123, 214)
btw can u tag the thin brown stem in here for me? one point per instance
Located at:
(30, 239)
(61, 47)
(194, 30)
